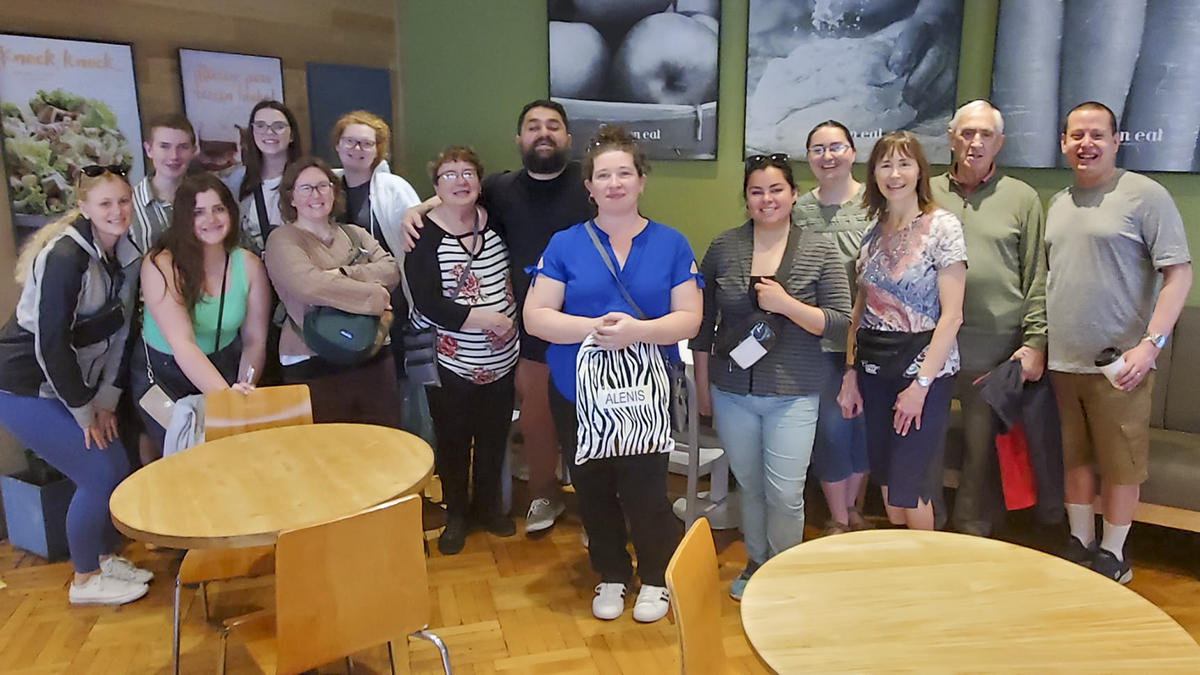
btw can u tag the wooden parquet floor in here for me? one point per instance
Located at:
(510, 606)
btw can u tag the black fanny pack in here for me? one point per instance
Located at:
(762, 327)
(888, 353)
(100, 326)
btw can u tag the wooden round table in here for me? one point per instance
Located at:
(933, 602)
(244, 490)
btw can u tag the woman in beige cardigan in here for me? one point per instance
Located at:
(307, 261)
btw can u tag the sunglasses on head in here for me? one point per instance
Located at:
(95, 170)
(777, 159)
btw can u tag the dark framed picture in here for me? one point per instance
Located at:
(876, 67)
(651, 66)
(1141, 58)
(64, 104)
(219, 91)
(335, 89)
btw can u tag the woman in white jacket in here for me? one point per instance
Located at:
(376, 198)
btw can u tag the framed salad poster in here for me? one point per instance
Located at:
(64, 105)
(219, 91)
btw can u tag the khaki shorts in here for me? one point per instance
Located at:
(1105, 426)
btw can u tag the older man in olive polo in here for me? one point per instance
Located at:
(1004, 308)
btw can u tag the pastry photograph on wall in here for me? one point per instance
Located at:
(1141, 58)
(64, 105)
(876, 66)
(219, 91)
(650, 66)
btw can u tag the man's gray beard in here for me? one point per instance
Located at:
(536, 164)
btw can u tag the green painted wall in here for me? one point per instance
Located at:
(467, 67)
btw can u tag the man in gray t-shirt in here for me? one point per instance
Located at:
(1119, 274)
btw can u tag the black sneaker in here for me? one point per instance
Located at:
(1108, 565)
(499, 524)
(1077, 553)
(454, 537)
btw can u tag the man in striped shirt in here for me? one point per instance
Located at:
(170, 149)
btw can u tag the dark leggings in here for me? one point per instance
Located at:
(45, 426)
(466, 414)
(615, 489)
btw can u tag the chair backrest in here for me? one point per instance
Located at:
(230, 412)
(696, 599)
(349, 584)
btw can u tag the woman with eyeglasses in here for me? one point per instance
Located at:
(613, 296)
(315, 261)
(376, 198)
(771, 292)
(270, 143)
(902, 351)
(59, 360)
(461, 287)
(834, 209)
(207, 303)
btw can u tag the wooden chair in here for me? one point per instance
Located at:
(226, 413)
(229, 412)
(696, 600)
(341, 587)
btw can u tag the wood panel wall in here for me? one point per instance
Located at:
(357, 32)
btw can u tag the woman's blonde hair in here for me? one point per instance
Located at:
(38, 240)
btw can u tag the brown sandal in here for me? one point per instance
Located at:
(834, 527)
(858, 521)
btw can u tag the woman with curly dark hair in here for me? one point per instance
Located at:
(207, 303)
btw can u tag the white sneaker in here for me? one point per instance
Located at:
(116, 567)
(104, 590)
(652, 603)
(609, 602)
(542, 514)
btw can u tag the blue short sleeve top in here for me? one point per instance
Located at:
(659, 260)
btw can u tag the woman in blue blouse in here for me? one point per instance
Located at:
(577, 304)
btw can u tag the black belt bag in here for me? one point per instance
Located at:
(888, 353)
(762, 327)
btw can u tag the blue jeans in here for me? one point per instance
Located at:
(841, 446)
(769, 441)
(45, 426)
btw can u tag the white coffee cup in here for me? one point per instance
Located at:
(1110, 362)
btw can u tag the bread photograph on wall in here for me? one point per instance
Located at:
(219, 91)
(876, 67)
(1140, 58)
(64, 105)
(650, 66)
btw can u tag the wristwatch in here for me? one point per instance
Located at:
(1155, 339)
(924, 382)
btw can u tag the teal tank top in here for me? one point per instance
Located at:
(204, 316)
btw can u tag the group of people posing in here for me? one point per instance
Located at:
(833, 327)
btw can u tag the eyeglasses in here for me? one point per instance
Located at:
(272, 127)
(465, 174)
(96, 170)
(833, 148)
(360, 143)
(305, 190)
(777, 159)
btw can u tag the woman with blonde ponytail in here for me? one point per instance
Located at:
(59, 357)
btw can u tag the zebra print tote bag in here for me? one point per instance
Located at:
(622, 401)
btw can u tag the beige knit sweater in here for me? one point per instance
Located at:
(307, 273)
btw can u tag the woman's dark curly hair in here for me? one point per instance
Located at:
(187, 253)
